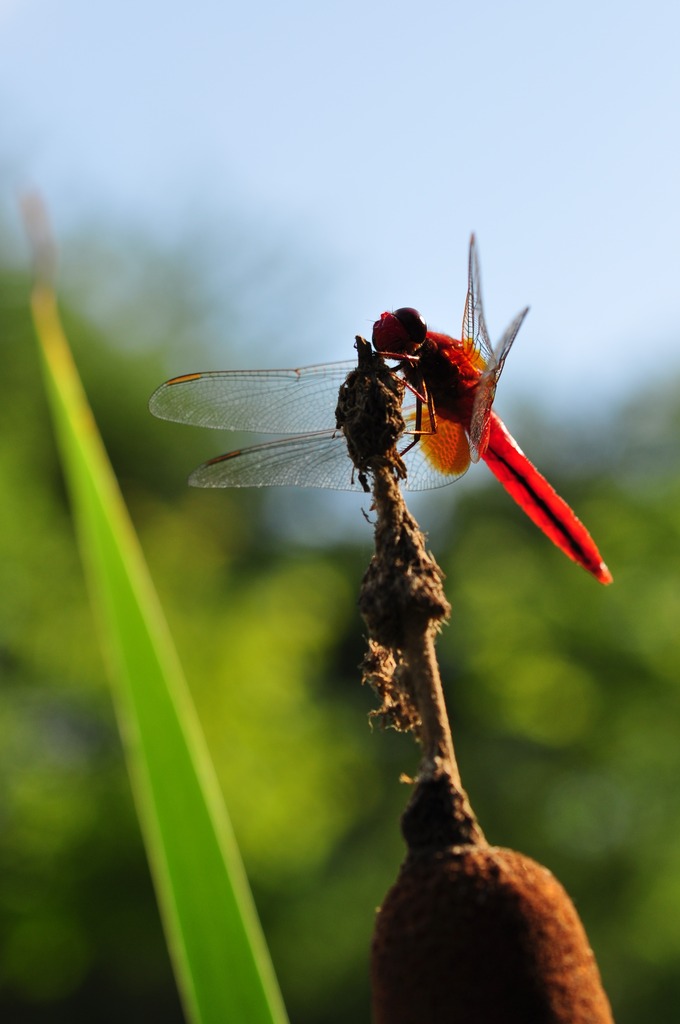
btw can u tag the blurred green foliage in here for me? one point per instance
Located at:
(564, 697)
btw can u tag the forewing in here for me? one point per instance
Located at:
(475, 336)
(267, 401)
(505, 344)
(307, 460)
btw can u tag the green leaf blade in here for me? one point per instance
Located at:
(220, 958)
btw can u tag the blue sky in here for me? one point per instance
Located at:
(378, 135)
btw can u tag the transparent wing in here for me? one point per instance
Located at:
(475, 336)
(486, 389)
(267, 401)
(505, 344)
(321, 459)
(307, 460)
(436, 459)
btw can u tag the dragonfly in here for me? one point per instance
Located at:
(450, 385)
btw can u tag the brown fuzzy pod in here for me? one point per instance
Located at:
(474, 934)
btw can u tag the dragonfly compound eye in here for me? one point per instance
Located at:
(413, 323)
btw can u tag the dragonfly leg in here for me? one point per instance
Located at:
(418, 430)
(401, 357)
(410, 362)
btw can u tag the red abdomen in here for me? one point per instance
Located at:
(540, 501)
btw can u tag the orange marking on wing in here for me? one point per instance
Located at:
(447, 450)
(475, 355)
(223, 458)
(184, 378)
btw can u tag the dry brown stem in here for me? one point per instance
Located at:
(402, 598)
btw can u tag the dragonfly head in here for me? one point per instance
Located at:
(401, 332)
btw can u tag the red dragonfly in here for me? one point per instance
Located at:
(448, 411)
